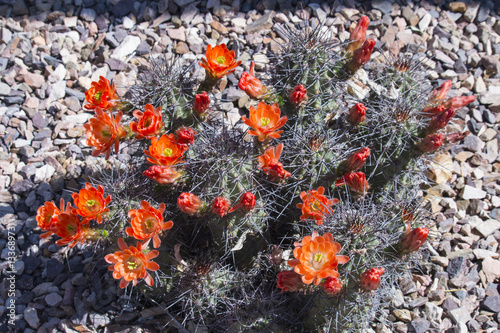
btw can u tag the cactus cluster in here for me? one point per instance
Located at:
(300, 217)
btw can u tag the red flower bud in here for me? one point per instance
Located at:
(298, 94)
(189, 203)
(162, 174)
(361, 56)
(370, 279)
(432, 111)
(430, 143)
(356, 182)
(440, 93)
(357, 114)
(357, 160)
(332, 286)
(289, 281)
(220, 206)
(413, 239)
(201, 103)
(441, 120)
(358, 35)
(247, 202)
(185, 135)
(250, 84)
(459, 101)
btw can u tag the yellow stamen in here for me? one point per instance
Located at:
(318, 257)
(149, 223)
(167, 152)
(220, 60)
(90, 203)
(264, 121)
(131, 265)
(106, 133)
(70, 228)
(147, 123)
(98, 95)
(316, 206)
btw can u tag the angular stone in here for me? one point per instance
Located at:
(458, 7)
(53, 299)
(31, 317)
(488, 227)
(265, 22)
(491, 269)
(470, 192)
(34, 80)
(492, 303)
(219, 27)
(127, 47)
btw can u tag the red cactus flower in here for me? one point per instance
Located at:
(439, 94)
(132, 263)
(356, 160)
(316, 258)
(220, 206)
(149, 124)
(189, 203)
(201, 103)
(361, 56)
(269, 162)
(332, 286)
(185, 135)
(68, 226)
(358, 35)
(357, 114)
(459, 101)
(166, 151)
(219, 61)
(101, 94)
(252, 85)
(247, 202)
(298, 94)
(432, 111)
(265, 120)
(413, 239)
(90, 203)
(441, 120)
(147, 222)
(315, 205)
(355, 181)
(370, 279)
(430, 143)
(162, 174)
(289, 281)
(46, 215)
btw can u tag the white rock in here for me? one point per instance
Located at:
(58, 74)
(127, 46)
(470, 192)
(479, 86)
(491, 269)
(128, 23)
(483, 254)
(44, 173)
(488, 227)
(424, 22)
(58, 90)
(78, 119)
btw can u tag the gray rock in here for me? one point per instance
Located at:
(189, 13)
(460, 315)
(53, 299)
(471, 12)
(39, 120)
(482, 14)
(234, 94)
(492, 303)
(128, 46)
(474, 143)
(456, 266)
(123, 8)
(31, 317)
(420, 325)
(4, 89)
(57, 91)
(263, 23)
(433, 312)
(383, 5)
(42, 289)
(183, 3)
(488, 227)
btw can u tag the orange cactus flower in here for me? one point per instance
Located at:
(102, 94)
(247, 202)
(252, 85)
(289, 281)
(220, 206)
(185, 135)
(265, 120)
(46, 216)
(219, 61)
(147, 222)
(430, 143)
(90, 203)
(149, 124)
(413, 239)
(189, 203)
(440, 121)
(356, 181)
(357, 114)
(358, 35)
(439, 94)
(269, 162)
(316, 258)
(68, 226)
(132, 263)
(166, 151)
(315, 205)
(162, 174)
(332, 286)
(370, 279)
(459, 102)
(356, 160)
(361, 56)
(104, 131)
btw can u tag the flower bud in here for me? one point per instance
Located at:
(440, 93)
(185, 135)
(220, 206)
(356, 160)
(432, 111)
(441, 120)
(361, 56)
(430, 143)
(332, 286)
(356, 182)
(247, 202)
(250, 84)
(357, 114)
(162, 174)
(413, 239)
(289, 281)
(370, 279)
(189, 203)
(358, 35)
(459, 101)
(298, 94)
(201, 103)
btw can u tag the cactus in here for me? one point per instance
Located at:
(314, 192)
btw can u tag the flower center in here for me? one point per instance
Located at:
(106, 133)
(318, 257)
(220, 60)
(98, 95)
(167, 152)
(147, 122)
(316, 206)
(90, 203)
(70, 228)
(264, 121)
(149, 223)
(131, 265)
